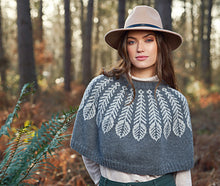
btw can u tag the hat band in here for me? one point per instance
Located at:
(138, 25)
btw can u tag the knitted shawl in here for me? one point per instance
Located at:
(151, 135)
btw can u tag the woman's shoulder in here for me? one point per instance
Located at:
(104, 80)
(172, 93)
(99, 79)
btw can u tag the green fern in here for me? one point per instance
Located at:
(26, 155)
(26, 90)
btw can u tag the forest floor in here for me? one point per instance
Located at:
(70, 170)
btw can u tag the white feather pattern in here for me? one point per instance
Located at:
(166, 114)
(89, 110)
(104, 101)
(185, 108)
(86, 93)
(112, 111)
(167, 129)
(123, 128)
(179, 127)
(139, 130)
(107, 124)
(155, 129)
(178, 124)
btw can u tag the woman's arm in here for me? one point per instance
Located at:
(93, 169)
(183, 178)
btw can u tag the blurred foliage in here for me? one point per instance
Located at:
(30, 148)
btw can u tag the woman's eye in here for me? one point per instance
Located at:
(131, 42)
(149, 40)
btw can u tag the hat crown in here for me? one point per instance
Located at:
(143, 15)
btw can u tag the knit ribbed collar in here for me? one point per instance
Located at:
(153, 78)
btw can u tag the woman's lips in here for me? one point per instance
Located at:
(141, 58)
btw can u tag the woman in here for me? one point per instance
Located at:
(133, 127)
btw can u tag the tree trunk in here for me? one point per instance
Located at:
(67, 48)
(25, 44)
(164, 9)
(3, 61)
(40, 14)
(183, 60)
(86, 56)
(97, 33)
(202, 8)
(121, 13)
(194, 47)
(1, 35)
(206, 22)
(149, 3)
(82, 20)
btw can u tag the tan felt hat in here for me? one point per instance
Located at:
(143, 18)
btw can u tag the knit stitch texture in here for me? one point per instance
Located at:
(150, 136)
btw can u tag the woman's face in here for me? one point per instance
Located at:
(142, 52)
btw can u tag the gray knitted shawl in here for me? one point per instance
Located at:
(150, 136)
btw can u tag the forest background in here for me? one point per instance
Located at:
(60, 45)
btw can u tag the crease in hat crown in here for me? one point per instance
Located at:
(139, 16)
(143, 18)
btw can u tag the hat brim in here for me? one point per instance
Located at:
(113, 37)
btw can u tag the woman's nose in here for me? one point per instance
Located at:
(140, 47)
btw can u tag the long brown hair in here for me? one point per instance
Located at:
(164, 63)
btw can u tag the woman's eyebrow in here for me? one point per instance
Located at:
(148, 35)
(132, 37)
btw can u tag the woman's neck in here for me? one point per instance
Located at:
(143, 73)
(152, 78)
